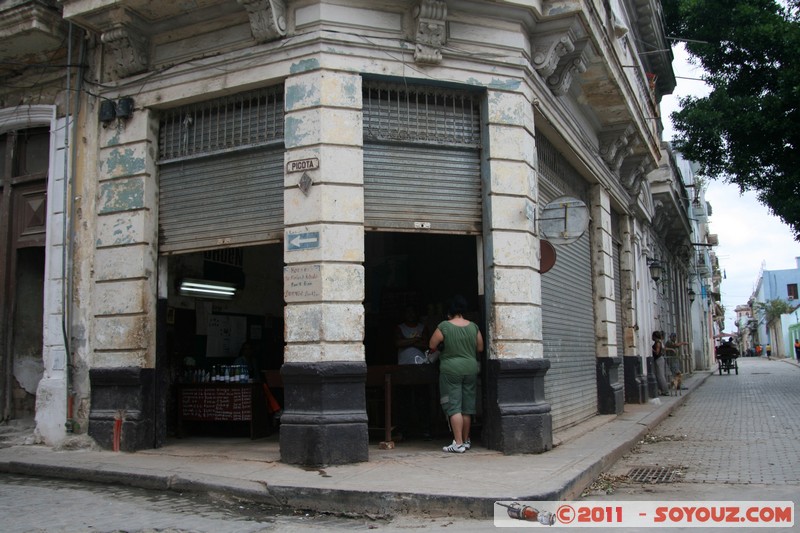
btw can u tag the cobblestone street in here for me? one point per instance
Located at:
(734, 437)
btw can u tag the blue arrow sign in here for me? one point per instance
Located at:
(302, 241)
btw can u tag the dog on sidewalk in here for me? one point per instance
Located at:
(676, 384)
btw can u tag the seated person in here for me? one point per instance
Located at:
(727, 349)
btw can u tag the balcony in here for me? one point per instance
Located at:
(30, 31)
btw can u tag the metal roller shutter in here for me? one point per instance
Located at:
(404, 185)
(422, 166)
(229, 200)
(618, 302)
(617, 260)
(567, 305)
(221, 172)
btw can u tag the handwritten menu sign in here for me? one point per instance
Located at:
(217, 403)
(302, 282)
(225, 335)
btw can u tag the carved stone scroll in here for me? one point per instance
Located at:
(549, 49)
(633, 176)
(614, 140)
(560, 81)
(431, 19)
(267, 18)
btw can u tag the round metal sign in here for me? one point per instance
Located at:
(564, 220)
(548, 256)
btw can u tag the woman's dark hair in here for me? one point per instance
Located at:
(457, 306)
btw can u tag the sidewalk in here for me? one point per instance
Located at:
(414, 478)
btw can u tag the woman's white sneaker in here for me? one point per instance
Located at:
(454, 448)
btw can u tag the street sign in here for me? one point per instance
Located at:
(299, 165)
(302, 241)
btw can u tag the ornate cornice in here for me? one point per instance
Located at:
(431, 23)
(267, 18)
(129, 48)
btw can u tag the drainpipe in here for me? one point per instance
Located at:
(67, 229)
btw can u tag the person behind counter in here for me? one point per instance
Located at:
(458, 371)
(246, 357)
(411, 338)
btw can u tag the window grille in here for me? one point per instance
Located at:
(408, 113)
(235, 122)
(557, 172)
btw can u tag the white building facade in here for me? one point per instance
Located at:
(336, 162)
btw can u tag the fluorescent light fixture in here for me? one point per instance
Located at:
(207, 289)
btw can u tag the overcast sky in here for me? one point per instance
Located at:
(748, 234)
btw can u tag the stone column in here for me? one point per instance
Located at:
(635, 382)
(324, 370)
(610, 393)
(518, 418)
(124, 287)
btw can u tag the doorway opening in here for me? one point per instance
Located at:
(421, 272)
(215, 388)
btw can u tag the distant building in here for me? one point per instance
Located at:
(777, 285)
(744, 319)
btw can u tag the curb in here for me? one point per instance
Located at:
(576, 475)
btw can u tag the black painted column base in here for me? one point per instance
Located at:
(635, 381)
(652, 383)
(324, 418)
(610, 393)
(517, 417)
(124, 394)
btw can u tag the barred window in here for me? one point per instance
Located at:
(235, 122)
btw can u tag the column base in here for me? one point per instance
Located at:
(518, 419)
(324, 418)
(635, 381)
(124, 394)
(610, 393)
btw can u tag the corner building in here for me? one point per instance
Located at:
(335, 162)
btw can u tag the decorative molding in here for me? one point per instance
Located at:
(612, 141)
(27, 116)
(431, 22)
(616, 145)
(549, 49)
(130, 49)
(619, 158)
(267, 18)
(633, 180)
(560, 81)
